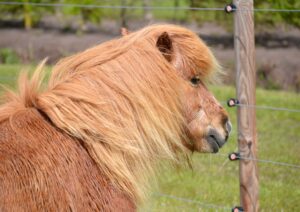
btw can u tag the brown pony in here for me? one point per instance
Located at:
(92, 140)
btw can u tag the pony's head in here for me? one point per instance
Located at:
(207, 123)
(134, 101)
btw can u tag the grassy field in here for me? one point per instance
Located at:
(214, 180)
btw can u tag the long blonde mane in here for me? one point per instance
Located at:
(122, 100)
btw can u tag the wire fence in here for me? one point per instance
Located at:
(265, 107)
(263, 161)
(191, 201)
(222, 207)
(91, 6)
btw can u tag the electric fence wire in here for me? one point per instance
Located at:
(143, 7)
(264, 161)
(201, 204)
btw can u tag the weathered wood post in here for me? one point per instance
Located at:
(245, 89)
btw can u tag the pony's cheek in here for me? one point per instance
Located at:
(196, 134)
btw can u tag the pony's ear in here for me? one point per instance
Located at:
(124, 31)
(164, 45)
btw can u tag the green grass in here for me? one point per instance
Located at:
(9, 73)
(214, 180)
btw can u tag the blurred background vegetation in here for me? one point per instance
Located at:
(31, 15)
(39, 25)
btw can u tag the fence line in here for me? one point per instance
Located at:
(264, 161)
(111, 6)
(275, 10)
(202, 204)
(265, 107)
(269, 108)
(91, 6)
(210, 205)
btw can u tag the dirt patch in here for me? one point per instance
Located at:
(35, 45)
(276, 68)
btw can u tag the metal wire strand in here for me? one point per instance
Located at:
(201, 204)
(143, 7)
(264, 107)
(265, 161)
(269, 108)
(110, 6)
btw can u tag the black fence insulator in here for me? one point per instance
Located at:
(230, 8)
(237, 209)
(234, 156)
(232, 102)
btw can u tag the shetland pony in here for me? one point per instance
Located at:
(94, 137)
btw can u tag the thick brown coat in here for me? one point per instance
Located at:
(50, 171)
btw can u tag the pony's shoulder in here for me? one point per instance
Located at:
(22, 132)
(37, 158)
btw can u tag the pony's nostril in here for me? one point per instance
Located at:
(228, 126)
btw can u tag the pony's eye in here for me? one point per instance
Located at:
(195, 80)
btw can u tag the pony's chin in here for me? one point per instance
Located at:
(208, 145)
(209, 150)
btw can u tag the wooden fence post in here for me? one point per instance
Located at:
(245, 89)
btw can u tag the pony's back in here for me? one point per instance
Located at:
(42, 168)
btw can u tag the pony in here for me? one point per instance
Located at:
(92, 138)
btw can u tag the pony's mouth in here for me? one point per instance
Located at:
(215, 140)
(212, 141)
